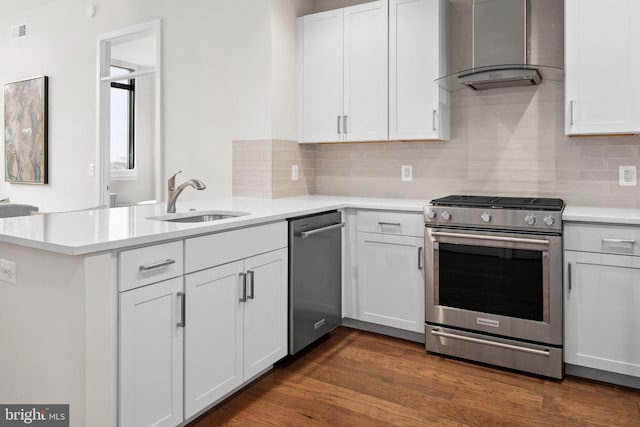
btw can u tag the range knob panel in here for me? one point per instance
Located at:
(486, 217)
(549, 220)
(529, 219)
(446, 215)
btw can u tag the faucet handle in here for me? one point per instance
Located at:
(171, 183)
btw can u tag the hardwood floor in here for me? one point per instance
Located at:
(354, 378)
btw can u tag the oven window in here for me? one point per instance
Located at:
(500, 281)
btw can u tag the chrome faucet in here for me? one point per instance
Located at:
(174, 192)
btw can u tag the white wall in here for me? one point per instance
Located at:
(218, 63)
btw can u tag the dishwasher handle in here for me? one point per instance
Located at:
(305, 234)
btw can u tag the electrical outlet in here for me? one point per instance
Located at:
(406, 173)
(8, 271)
(627, 176)
(294, 173)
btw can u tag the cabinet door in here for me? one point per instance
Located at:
(322, 65)
(265, 312)
(602, 56)
(418, 108)
(391, 280)
(365, 72)
(602, 296)
(151, 355)
(213, 335)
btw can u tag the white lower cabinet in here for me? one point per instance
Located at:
(198, 319)
(236, 326)
(602, 296)
(265, 312)
(213, 336)
(390, 274)
(151, 355)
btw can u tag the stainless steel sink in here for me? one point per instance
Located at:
(201, 216)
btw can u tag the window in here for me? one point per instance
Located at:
(122, 131)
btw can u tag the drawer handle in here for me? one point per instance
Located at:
(620, 241)
(437, 333)
(390, 224)
(157, 265)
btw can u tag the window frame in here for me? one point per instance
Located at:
(130, 172)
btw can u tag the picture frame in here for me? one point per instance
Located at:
(26, 134)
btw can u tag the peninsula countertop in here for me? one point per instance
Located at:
(98, 230)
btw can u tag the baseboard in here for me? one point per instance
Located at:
(383, 330)
(604, 376)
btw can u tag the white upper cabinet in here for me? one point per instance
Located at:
(602, 58)
(365, 72)
(344, 74)
(418, 107)
(322, 76)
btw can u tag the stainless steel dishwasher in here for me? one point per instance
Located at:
(315, 285)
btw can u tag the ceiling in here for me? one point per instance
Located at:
(13, 7)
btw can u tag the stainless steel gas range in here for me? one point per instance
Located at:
(494, 281)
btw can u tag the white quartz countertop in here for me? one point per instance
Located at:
(601, 215)
(90, 231)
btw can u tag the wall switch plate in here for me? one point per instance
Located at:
(627, 176)
(8, 271)
(294, 173)
(406, 173)
(92, 169)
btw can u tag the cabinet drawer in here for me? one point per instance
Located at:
(221, 248)
(139, 267)
(389, 222)
(610, 239)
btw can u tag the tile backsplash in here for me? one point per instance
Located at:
(262, 168)
(508, 142)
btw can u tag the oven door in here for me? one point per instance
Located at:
(505, 284)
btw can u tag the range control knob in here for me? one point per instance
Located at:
(445, 215)
(486, 217)
(431, 214)
(549, 220)
(529, 219)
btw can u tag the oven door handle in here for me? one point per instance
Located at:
(491, 238)
(491, 343)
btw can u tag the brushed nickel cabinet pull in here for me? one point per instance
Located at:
(182, 321)
(250, 276)
(433, 120)
(243, 282)
(157, 265)
(571, 112)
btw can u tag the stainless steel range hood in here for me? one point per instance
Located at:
(500, 36)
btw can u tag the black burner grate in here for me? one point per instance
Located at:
(529, 203)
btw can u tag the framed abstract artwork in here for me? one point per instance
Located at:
(26, 131)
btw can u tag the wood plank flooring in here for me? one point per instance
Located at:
(354, 378)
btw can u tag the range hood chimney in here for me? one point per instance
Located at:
(501, 31)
